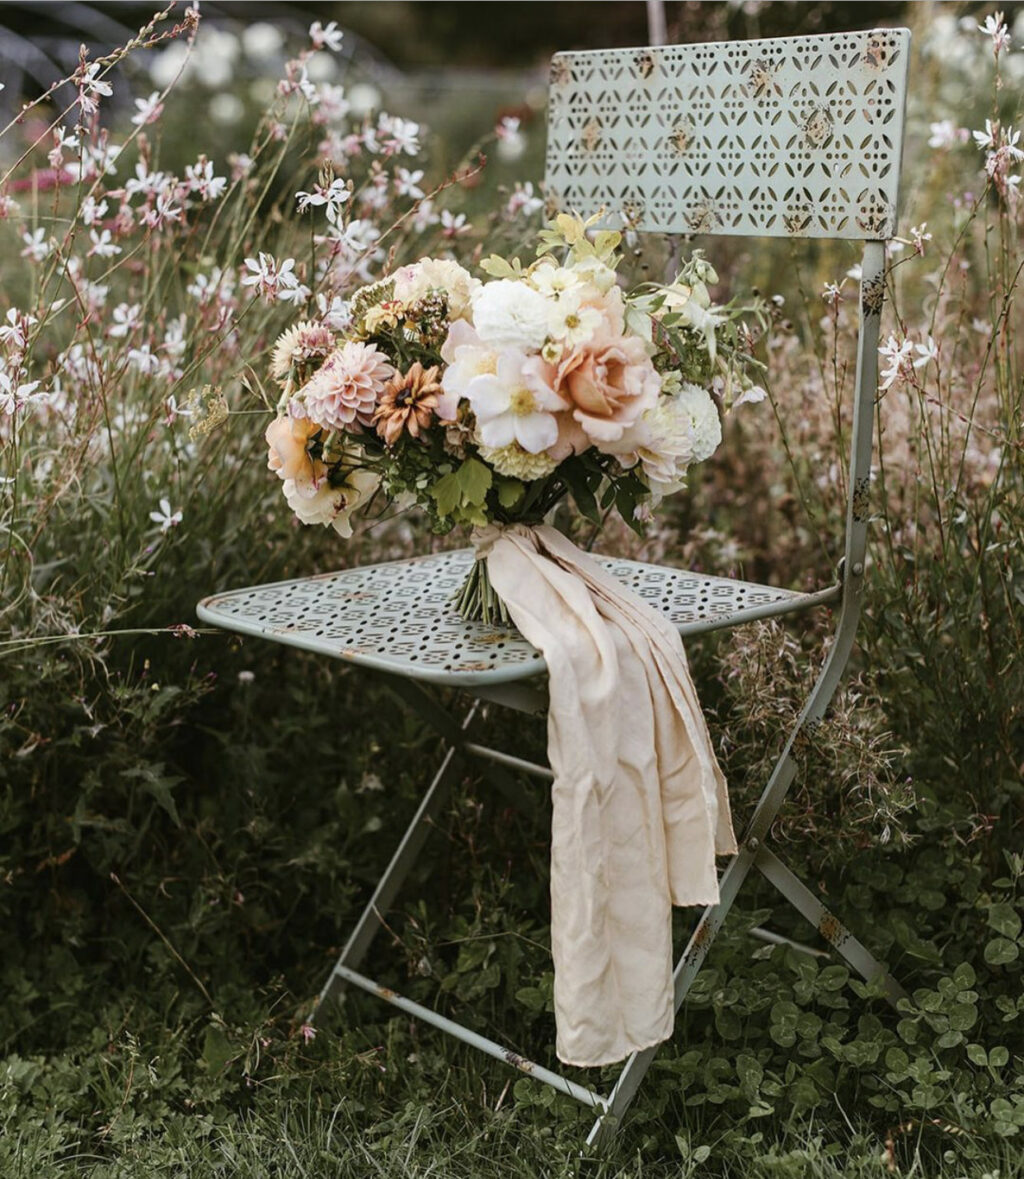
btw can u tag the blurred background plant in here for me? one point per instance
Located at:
(190, 822)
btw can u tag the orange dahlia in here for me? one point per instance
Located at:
(408, 402)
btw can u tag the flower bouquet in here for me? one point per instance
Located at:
(488, 402)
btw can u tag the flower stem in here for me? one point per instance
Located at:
(477, 600)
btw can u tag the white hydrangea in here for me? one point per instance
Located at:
(509, 314)
(705, 424)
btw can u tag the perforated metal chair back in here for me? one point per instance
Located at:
(799, 136)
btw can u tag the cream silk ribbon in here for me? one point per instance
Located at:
(639, 803)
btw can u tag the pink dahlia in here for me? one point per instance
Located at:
(346, 387)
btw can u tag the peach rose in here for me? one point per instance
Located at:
(288, 439)
(610, 382)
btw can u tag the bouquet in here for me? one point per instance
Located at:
(488, 402)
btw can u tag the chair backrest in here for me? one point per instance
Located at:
(790, 136)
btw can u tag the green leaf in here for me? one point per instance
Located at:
(532, 998)
(976, 1054)
(750, 1073)
(510, 492)
(447, 493)
(1004, 919)
(158, 785)
(498, 267)
(475, 480)
(999, 1056)
(217, 1049)
(964, 976)
(963, 1016)
(1000, 951)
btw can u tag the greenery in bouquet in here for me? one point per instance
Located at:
(488, 402)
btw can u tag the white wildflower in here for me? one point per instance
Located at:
(403, 134)
(453, 224)
(89, 86)
(126, 319)
(898, 357)
(102, 244)
(203, 182)
(148, 109)
(407, 183)
(37, 245)
(995, 28)
(329, 36)
(926, 352)
(165, 517)
(330, 198)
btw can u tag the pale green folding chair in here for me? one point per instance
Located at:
(795, 137)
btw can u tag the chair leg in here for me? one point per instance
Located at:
(830, 928)
(687, 968)
(401, 863)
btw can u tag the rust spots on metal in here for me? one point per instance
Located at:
(386, 993)
(873, 296)
(519, 1062)
(591, 136)
(644, 62)
(876, 219)
(681, 136)
(702, 935)
(703, 217)
(862, 499)
(561, 72)
(797, 218)
(818, 128)
(761, 77)
(878, 50)
(832, 929)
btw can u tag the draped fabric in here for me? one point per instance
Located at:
(640, 807)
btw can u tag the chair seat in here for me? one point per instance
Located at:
(399, 618)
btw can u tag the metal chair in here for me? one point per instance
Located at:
(796, 137)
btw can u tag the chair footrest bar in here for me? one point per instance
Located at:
(562, 1084)
(513, 763)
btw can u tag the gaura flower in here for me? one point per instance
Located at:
(331, 505)
(516, 403)
(409, 402)
(345, 389)
(288, 439)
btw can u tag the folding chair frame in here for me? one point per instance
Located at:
(754, 852)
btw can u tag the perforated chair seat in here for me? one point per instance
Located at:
(399, 617)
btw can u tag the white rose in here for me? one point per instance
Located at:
(415, 281)
(509, 314)
(330, 505)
